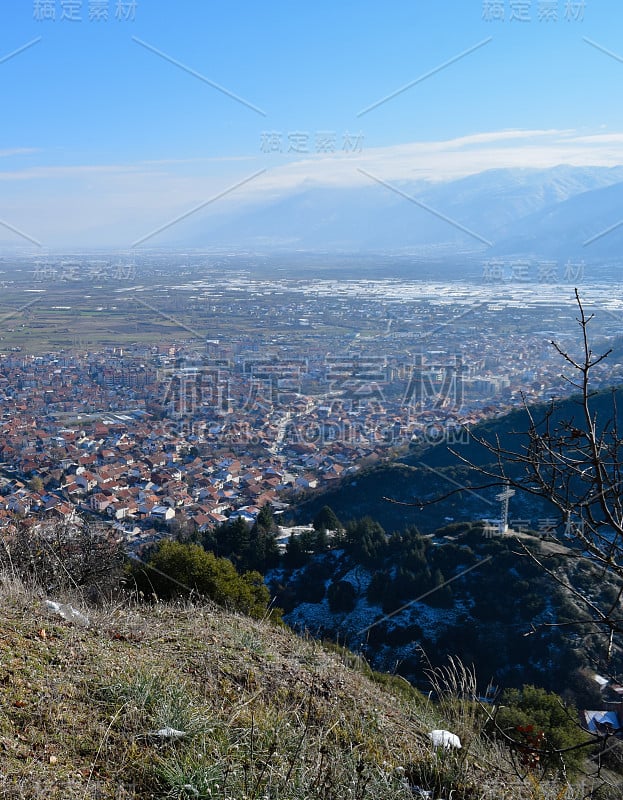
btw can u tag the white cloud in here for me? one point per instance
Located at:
(18, 151)
(456, 158)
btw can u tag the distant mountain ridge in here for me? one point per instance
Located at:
(590, 224)
(504, 211)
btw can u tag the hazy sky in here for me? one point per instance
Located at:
(113, 127)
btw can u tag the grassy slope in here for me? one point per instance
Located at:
(267, 714)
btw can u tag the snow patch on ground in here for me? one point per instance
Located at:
(354, 626)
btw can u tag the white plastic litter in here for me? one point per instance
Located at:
(67, 612)
(445, 739)
(168, 733)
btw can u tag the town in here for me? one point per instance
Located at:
(254, 392)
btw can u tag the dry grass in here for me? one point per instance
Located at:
(265, 714)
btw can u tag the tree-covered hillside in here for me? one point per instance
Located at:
(430, 472)
(393, 596)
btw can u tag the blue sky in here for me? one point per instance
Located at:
(107, 134)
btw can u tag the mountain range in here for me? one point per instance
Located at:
(553, 212)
